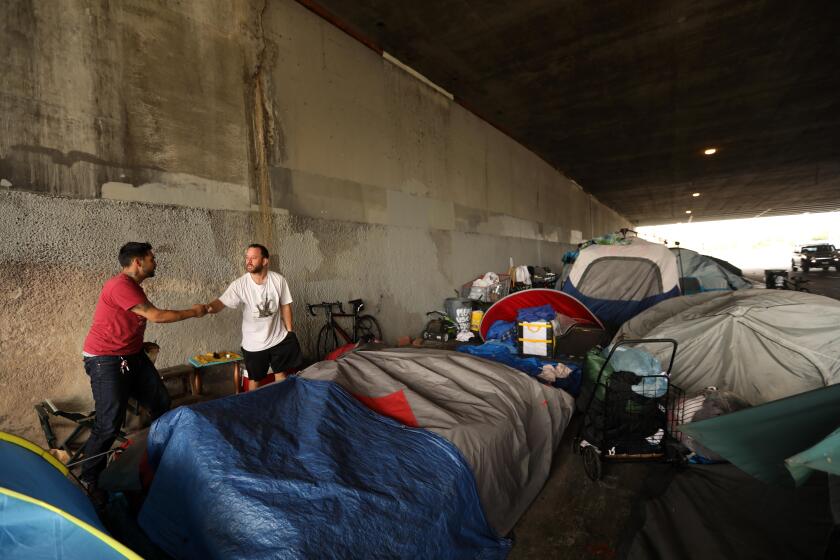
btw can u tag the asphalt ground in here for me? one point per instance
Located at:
(822, 282)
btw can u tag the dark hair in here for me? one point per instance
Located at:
(133, 250)
(262, 249)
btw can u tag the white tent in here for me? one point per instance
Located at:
(618, 281)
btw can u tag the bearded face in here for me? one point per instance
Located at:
(148, 265)
(254, 261)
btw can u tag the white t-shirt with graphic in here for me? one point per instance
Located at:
(262, 323)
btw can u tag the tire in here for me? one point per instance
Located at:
(805, 267)
(366, 325)
(327, 341)
(592, 463)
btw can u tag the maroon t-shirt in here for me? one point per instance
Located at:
(116, 331)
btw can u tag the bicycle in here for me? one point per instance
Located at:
(365, 327)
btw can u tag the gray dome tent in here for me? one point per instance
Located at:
(761, 344)
(709, 273)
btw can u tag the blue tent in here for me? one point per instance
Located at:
(42, 513)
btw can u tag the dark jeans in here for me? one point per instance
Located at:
(112, 388)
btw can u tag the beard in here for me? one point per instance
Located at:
(255, 269)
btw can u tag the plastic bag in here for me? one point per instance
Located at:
(633, 360)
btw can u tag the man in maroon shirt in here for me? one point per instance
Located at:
(114, 358)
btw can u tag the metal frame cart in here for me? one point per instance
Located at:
(84, 422)
(628, 417)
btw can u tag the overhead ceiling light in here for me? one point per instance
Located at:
(688, 211)
(710, 151)
(695, 195)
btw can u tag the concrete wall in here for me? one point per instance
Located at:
(201, 126)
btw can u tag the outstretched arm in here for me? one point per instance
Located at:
(156, 315)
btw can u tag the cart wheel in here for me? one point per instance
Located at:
(592, 463)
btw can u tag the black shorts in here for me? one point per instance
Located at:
(281, 357)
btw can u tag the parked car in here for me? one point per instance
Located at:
(818, 255)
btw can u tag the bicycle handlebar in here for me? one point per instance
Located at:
(327, 305)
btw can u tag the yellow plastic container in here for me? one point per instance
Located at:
(475, 320)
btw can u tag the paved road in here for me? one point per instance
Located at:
(823, 282)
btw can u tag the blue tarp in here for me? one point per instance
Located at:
(505, 353)
(538, 313)
(503, 331)
(300, 469)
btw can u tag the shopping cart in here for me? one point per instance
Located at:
(628, 417)
(488, 294)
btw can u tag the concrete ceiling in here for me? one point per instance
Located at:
(623, 96)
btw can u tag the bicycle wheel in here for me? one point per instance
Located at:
(327, 341)
(367, 326)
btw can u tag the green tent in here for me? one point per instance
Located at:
(780, 442)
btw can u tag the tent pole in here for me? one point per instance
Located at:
(680, 263)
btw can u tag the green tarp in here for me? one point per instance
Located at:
(779, 442)
(824, 456)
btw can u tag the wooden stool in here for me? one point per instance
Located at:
(199, 365)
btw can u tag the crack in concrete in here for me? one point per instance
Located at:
(261, 129)
(68, 159)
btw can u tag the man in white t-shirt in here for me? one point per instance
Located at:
(267, 335)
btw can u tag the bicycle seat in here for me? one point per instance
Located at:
(357, 304)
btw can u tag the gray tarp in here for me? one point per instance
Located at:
(506, 424)
(762, 345)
